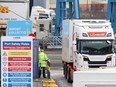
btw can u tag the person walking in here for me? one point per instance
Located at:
(42, 63)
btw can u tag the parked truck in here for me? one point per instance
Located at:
(40, 13)
(87, 44)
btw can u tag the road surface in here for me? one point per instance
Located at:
(55, 56)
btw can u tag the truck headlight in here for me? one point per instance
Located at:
(109, 34)
(84, 35)
(85, 58)
(109, 60)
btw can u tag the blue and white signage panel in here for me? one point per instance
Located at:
(16, 61)
(19, 28)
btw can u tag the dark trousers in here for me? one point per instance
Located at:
(42, 69)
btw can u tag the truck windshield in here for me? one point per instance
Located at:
(43, 16)
(96, 47)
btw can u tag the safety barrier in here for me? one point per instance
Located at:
(44, 82)
(49, 83)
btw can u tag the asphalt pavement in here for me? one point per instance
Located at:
(55, 56)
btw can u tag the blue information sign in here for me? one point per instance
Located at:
(19, 28)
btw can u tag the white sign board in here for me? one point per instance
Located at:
(16, 61)
(13, 11)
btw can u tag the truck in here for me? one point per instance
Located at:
(87, 44)
(39, 13)
(12, 10)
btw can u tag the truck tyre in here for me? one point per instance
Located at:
(68, 76)
(65, 70)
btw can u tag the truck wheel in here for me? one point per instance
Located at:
(65, 71)
(68, 76)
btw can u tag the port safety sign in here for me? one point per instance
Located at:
(16, 61)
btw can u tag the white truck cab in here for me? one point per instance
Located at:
(94, 43)
(87, 44)
(39, 13)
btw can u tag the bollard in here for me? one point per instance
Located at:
(48, 70)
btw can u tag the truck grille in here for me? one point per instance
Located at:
(97, 64)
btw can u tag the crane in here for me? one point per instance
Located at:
(61, 13)
(111, 13)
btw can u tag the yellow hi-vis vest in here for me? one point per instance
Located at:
(43, 59)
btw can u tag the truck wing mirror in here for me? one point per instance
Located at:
(77, 51)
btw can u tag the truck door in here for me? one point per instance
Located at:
(76, 53)
(78, 57)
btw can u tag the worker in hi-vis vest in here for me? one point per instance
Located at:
(42, 63)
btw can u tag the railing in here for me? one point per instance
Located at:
(52, 41)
